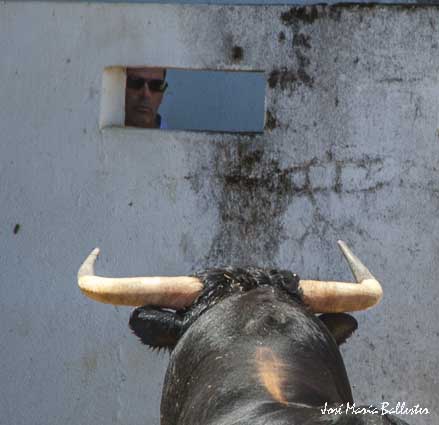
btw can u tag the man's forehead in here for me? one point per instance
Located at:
(149, 73)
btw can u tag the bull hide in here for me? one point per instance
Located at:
(249, 352)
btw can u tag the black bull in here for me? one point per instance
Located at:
(248, 352)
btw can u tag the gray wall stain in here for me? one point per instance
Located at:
(253, 191)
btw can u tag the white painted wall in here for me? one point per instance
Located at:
(352, 154)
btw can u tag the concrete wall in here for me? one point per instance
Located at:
(350, 151)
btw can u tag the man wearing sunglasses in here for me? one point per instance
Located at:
(143, 95)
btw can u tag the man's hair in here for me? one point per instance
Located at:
(164, 73)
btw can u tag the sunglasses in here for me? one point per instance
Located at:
(154, 85)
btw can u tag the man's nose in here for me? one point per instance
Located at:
(146, 92)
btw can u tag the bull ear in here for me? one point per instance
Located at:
(155, 327)
(341, 325)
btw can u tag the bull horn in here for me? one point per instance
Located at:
(338, 297)
(168, 292)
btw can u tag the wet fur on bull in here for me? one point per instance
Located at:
(248, 352)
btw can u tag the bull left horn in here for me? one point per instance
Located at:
(174, 292)
(338, 297)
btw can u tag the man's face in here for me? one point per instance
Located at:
(141, 100)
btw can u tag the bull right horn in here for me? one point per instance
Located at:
(174, 292)
(339, 297)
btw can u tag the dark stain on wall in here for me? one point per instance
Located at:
(249, 184)
(232, 50)
(283, 78)
(305, 14)
(297, 15)
(270, 121)
(253, 193)
(251, 189)
(287, 78)
(300, 71)
(237, 53)
(302, 40)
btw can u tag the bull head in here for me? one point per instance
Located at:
(257, 355)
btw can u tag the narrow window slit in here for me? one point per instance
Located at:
(183, 99)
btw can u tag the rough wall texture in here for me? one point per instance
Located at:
(350, 151)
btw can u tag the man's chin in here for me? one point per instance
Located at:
(140, 121)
